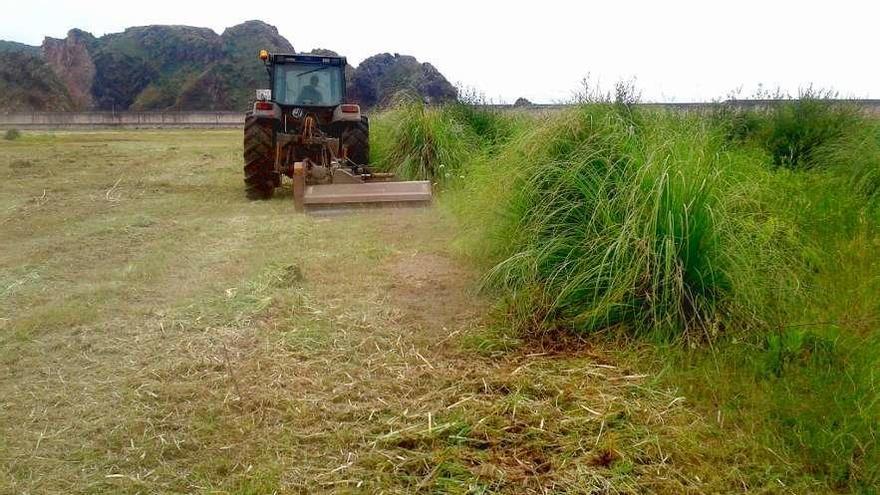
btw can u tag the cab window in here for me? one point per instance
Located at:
(308, 85)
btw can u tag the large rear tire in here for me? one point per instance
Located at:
(260, 178)
(356, 137)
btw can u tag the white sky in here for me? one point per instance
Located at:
(676, 50)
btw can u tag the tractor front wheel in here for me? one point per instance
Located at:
(260, 177)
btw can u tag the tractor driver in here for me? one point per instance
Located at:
(311, 94)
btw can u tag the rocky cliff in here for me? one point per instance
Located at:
(28, 83)
(191, 68)
(13, 46)
(71, 61)
(380, 78)
(229, 82)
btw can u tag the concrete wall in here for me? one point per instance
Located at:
(157, 120)
(869, 106)
(93, 120)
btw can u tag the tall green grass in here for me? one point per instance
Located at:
(807, 397)
(757, 230)
(855, 155)
(422, 142)
(809, 390)
(654, 227)
(426, 144)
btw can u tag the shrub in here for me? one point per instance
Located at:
(12, 134)
(663, 224)
(491, 127)
(794, 130)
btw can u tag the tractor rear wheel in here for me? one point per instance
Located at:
(260, 177)
(356, 137)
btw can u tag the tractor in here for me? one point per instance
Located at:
(303, 127)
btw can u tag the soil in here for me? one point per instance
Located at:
(430, 290)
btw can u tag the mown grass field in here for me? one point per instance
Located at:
(162, 334)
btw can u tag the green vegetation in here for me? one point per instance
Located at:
(795, 131)
(650, 228)
(668, 308)
(427, 143)
(11, 134)
(752, 235)
(417, 141)
(12, 46)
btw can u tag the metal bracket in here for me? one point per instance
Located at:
(299, 186)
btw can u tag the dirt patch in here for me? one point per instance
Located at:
(432, 291)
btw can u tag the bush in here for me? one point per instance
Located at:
(12, 135)
(813, 132)
(794, 130)
(651, 227)
(491, 127)
(665, 225)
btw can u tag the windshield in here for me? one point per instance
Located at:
(308, 84)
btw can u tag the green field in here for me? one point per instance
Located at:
(160, 333)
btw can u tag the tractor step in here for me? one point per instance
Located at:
(411, 193)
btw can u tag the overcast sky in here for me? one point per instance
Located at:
(676, 50)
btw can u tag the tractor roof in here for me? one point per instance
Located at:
(287, 58)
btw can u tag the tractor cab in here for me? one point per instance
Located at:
(306, 80)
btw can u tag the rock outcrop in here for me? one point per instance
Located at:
(229, 82)
(380, 78)
(28, 83)
(191, 68)
(14, 46)
(71, 61)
